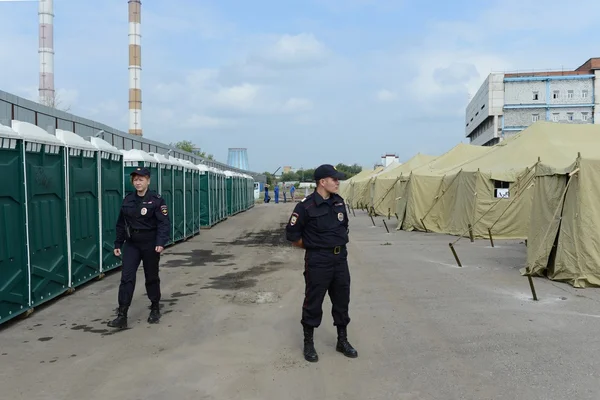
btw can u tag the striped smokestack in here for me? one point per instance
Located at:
(46, 51)
(135, 67)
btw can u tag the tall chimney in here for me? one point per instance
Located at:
(135, 67)
(46, 51)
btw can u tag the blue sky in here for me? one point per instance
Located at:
(297, 82)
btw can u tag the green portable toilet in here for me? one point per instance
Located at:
(165, 186)
(14, 267)
(110, 189)
(221, 195)
(45, 213)
(82, 207)
(205, 198)
(214, 195)
(178, 214)
(229, 188)
(193, 209)
(134, 159)
(190, 177)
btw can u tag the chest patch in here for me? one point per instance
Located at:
(340, 217)
(144, 211)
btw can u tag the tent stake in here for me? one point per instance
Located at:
(525, 242)
(491, 238)
(455, 255)
(424, 226)
(397, 219)
(353, 212)
(386, 228)
(372, 219)
(532, 288)
(471, 233)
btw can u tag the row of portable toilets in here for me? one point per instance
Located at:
(60, 197)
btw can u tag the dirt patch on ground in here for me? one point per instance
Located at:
(242, 279)
(264, 238)
(196, 258)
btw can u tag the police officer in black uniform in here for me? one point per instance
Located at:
(319, 224)
(143, 226)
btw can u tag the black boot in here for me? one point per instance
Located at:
(310, 354)
(342, 343)
(154, 316)
(121, 320)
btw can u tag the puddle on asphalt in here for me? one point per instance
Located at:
(264, 238)
(196, 258)
(241, 279)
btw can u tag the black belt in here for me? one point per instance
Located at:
(142, 230)
(334, 250)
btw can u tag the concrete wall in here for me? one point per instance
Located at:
(18, 108)
(524, 117)
(486, 106)
(523, 92)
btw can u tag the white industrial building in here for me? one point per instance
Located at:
(505, 104)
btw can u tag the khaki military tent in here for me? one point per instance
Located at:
(416, 193)
(363, 192)
(494, 191)
(347, 186)
(382, 185)
(564, 233)
(359, 188)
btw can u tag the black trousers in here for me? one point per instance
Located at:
(326, 272)
(140, 248)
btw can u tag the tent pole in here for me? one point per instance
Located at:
(491, 238)
(386, 228)
(455, 255)
(532, 288)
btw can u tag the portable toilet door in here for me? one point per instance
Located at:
(165, 187)
(178, 214)
(134, 159)
(110, 189)
(14, 268)
(191, 175)
(45, 213)
(204, 198)
(82, 207)
(229, 192)
(214, 206)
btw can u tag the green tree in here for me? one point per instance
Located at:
(289, 176)
(349, 170)
(188, 146)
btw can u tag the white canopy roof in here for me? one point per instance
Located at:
(35, 134)
(73, 140)
(104, 146)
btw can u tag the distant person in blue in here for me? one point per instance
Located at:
(276, 191)
(292, 191)
(267, 194)
(143, 228)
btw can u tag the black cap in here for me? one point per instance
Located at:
(328, 171)
(143, 171)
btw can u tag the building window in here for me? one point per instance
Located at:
(555, 117)
(584, 116)
(584, 94)
(570, 116)
(569, 94)
(536, 95)
(555, 94)
(535, 117)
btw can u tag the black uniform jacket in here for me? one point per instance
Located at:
(143, 214)
(318, 222)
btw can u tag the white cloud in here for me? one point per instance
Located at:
(302, 50)
(385, 95)
(243, 96)
(297, 105)
(203, 121)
